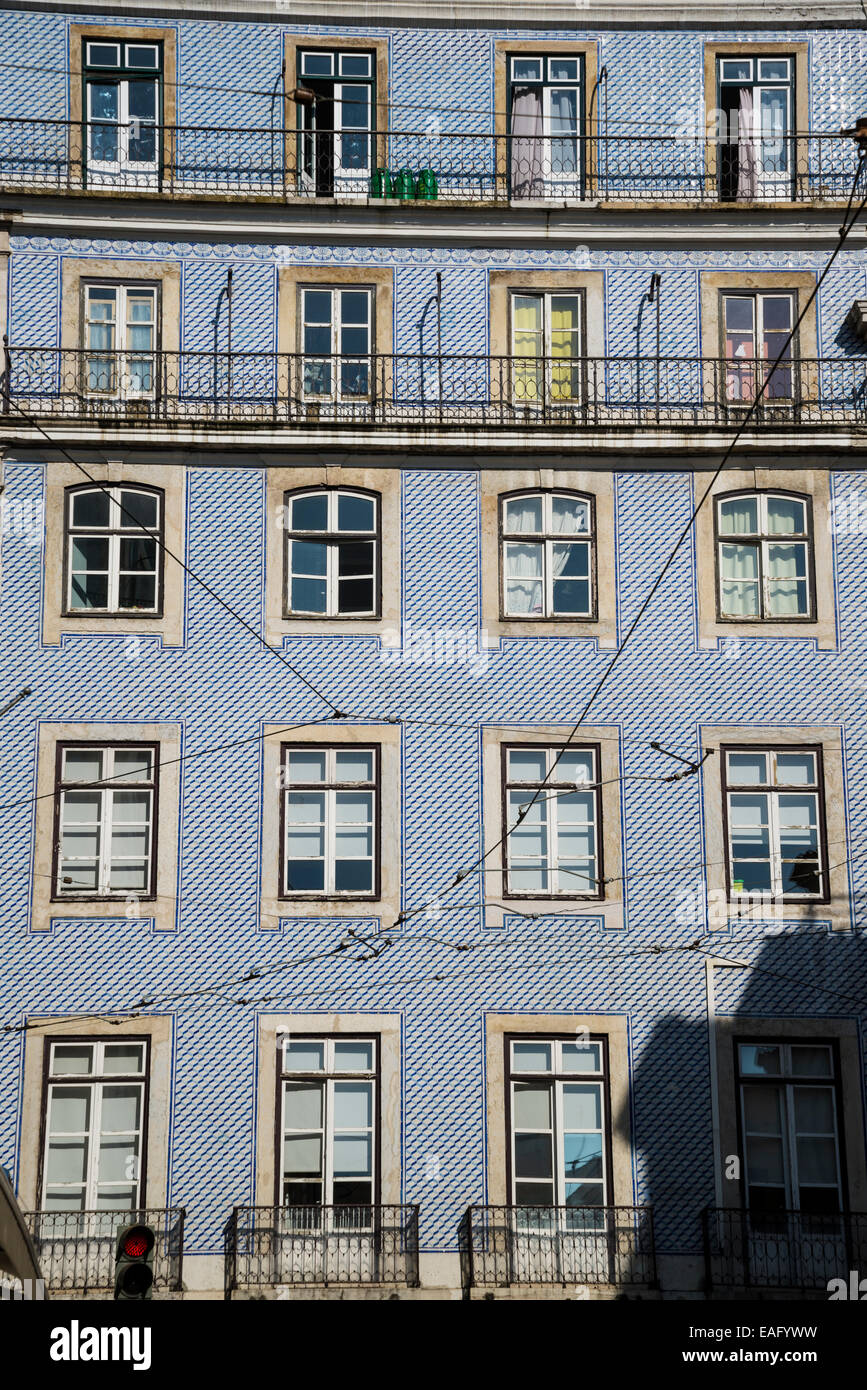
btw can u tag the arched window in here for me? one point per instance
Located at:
(113, 558)
(332, 553)
(547, 560)
(764, 556)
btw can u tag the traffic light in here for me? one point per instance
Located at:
(134, 1262)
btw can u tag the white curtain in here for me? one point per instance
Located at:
(785, 566)
(523, 579)
(748, 182)
(569, 516)
(527, 143)
(564, 124)
(738, 517)
(523, 515)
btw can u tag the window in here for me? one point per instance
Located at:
(551, 846)
(332, 553)
(559, 1140)
(545, 108)
(105, 823)
(775, 822)
(546, 348)
(755, 332)
(328, 1124)
(120, 323)
(764, 557)
(112, 565)
(336, 129)
(756, 150)
(789, 1124)
(547, 555)
(122, 104)
(336, 334)
(331, 821)
(95, 1107)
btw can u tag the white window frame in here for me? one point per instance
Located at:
(557, 1077)
(556, 182)
(114, 535)
(332, 538)
(760, 541)
(785, 1084)
(547, 397)
(330, 789)
(100, 169)
(773, 791)
(336, 359)
(547, 802)
(105, 824)
(353, 182)
(96, 1081)
(329, 1077)
(120, 354)
(759, 362)
(548, 538)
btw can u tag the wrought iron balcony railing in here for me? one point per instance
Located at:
(419, 392)
(77, 1249)
(791, 1250)
(611, 1246)
(349, 1244)
(426, 166)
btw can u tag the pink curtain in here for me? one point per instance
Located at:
(527, 143)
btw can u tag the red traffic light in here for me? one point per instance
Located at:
(137, 1242)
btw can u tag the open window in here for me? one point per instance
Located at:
(545, 105)
(122, 112)
(756, 150)
(336, 129)
(119, 330)
(756, 328)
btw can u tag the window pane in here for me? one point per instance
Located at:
(573, 767)
(308, 596)
(760, 1059)
(90, 509)
(353, 1105)
(70, 1109)
(69, 1059)
(309, 558)
(532, 1107)
(355, 64)
(814, 1109)
(353, 1056)
(525, 765)
(310, 513)
(811, 1061)
(739, 516)
(533, 1156)
(123, 1057)
(762, 1109)
(785, 516)
(307, 767)
(140, 56)
(353, 876)
(578, 1057)
(817, 1161)
(526, 69)
(563, 69)
(353, 766)
(355, 513)
(317, 64)
(138, 508)
(582, 1106)
(121, 1109)
(89, 553)
(82, 765)
(104, 55)
(582, 1156)
(531, 1056)
(67, 1160)
(796, 769)
(303, 1056)
(352, 1155)
(747, 769)
(302, 1105)
(765, 1160)
(523, 514)
(570, 515)
(302, 1155)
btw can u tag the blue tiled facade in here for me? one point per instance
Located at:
(220, 966)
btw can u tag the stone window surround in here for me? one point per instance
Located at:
(335, 42)
(497, 1026)
(845, 1031)
(610, 906)
(565, 48)
(502, 284)
(78, 34)
(815, 485)
(387, 905)
(292, 278)
(716, 283)
(78, 270)
(388, 1026)
(837, 911)
(385, 482)
(161, 908)
(495, 483)
(169, 625)
(160, 1030)
(755, 48)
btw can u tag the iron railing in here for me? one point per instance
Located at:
(349, 1244)
(416, 391)
(791, 1250)
(77, 1249)
(592, 1246)
(464, 166)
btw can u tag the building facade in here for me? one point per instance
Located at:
(370, 922)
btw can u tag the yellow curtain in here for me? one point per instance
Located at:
(564, 343)
(527, 344)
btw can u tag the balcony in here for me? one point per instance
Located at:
(76, 1249)
(602, 1247)
(791, 1251)
(411, 395)
(274, 164)
(322, 1245)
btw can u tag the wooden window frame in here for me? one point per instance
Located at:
(537, 894)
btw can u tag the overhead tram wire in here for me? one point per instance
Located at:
(850, 217)
(106, 488)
